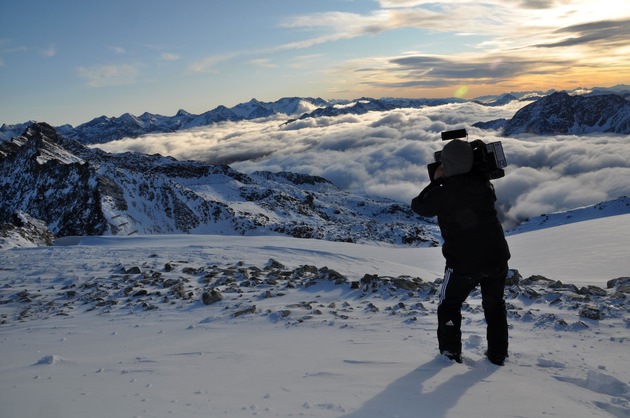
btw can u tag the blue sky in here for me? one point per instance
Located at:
(70, 61)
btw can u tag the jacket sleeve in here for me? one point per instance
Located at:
(427, 203)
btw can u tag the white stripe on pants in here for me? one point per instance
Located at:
(447, 276)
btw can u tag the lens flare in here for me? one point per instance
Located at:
(461, 91)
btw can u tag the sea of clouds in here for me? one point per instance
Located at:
(386, 153)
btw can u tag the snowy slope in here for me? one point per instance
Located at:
(601, 210)
(91, 328)
(76, 190)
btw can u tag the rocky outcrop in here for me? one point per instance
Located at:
(24, 231)
(76, 190)
(49, 183)
(228, 292)
(562, 114)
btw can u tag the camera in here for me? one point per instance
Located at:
(488, 159)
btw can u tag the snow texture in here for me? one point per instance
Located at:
(76, 190)
(120, 327)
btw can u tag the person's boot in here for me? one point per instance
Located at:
(497, 359)
(456, 357)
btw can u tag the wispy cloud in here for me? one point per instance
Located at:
(507, 42)
(109, 75)
(209, 64)
(51, 51)
(169, 56)
(331, 26)
(336, 26)
(118, 50)
(6, 48)
(306, 61)
(419, 70)
(600, 34)
(523, 39)
(263, 63)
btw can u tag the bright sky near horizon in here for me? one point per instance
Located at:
(70, 61)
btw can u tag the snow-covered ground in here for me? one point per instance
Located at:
(116, 327)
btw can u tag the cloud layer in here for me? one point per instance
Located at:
(385, 154)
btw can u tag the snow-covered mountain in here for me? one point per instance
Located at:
(364, 105)
(77, 190)
(105, 129)
(499, 101)
(608, 208)
(622, 90)
(8, 132)
(561, 113)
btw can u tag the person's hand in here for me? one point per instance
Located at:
(439, 172)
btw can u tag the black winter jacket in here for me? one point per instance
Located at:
(474, 241)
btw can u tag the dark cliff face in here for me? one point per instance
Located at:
(42, 179)
(77, 190)
(561, 114)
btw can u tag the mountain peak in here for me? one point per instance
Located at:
(609, 115)
(561, 113)
(41, 130)
(77, 190)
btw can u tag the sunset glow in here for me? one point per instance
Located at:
(68, 62)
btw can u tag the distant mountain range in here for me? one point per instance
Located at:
(51, 180)
(563, 114)
(589, 118)
(106, 129)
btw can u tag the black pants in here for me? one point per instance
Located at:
(455, 290)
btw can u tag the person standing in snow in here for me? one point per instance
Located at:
(475, 249)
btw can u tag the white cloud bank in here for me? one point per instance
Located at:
(385, 153)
